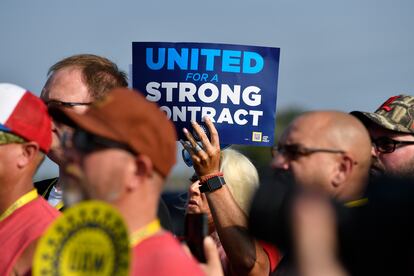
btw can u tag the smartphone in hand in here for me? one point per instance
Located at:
(196, 229)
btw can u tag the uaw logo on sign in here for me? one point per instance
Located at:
(89, 239)
(234, 85)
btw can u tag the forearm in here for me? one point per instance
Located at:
(245, 255)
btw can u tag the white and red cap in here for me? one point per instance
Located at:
(25, 115)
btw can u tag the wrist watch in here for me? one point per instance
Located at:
(212, 184)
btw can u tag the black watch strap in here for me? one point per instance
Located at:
(212, 184)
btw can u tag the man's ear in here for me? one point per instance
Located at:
(342, 171)
(28, 154)
(144, 165)
(143, 169)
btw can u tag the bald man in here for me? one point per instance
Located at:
(326, 150)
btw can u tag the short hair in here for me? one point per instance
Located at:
(241, 177)
(99, 74)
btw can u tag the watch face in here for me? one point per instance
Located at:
(213, 184)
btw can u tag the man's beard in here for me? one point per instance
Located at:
(76, 188)
(405, 170)
(73, 180)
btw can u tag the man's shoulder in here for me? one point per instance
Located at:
(39, 212)
(25, 225)
(27, 222)
(44, 187)
(46, 208)
(165, 240)
(165, 250)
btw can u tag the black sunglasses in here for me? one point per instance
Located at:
(294, 151)
(387, 145)
(65, 104)
(86, 142)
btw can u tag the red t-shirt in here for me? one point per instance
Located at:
(21, 228)
(162, 255)
(272, 253)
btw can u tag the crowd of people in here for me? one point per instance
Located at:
(113, 145)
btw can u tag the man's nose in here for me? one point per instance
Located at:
(279, 161)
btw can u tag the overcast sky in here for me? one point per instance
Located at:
(345, 55)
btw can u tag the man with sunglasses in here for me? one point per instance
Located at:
(328, 151)
(25, 137)
(75, 83)
(391, 128)
(121, 152)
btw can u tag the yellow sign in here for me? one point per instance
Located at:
(89, 239)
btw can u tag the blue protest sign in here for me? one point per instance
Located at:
(234, 85)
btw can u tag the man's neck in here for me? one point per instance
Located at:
(12, 191)
(137, 213)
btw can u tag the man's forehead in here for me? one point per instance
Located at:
(66, 84)
(308, 135)
(295, 134)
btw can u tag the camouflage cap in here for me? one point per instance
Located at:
(396, 114)
(10, 138)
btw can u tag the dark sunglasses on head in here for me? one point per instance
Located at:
(387, 145)
(86, 142)
(64, 104)
(294, 151)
